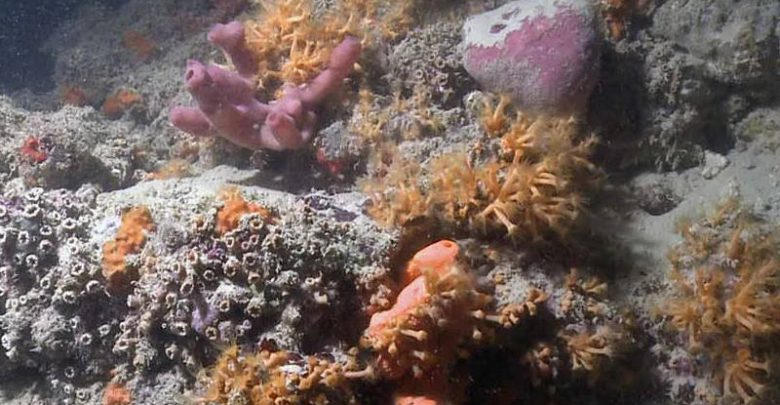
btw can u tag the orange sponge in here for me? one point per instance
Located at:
(236, 207)
(431, 317)
(437, 256)
(129, 239)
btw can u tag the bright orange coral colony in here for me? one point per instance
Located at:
(128, 240)
(235, 207)
(116, 394)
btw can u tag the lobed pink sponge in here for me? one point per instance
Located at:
(227, 106)
(543, 53)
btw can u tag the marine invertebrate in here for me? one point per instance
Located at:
(253, 283)
(380, 121)
(130, 237)
(50, 289)
(266, 378)
(428, 58)
(235, 207)
(545, 55)
(226, 103)
(589, 349)
(726, 272)
(535, 189)
(438, 255)
(114, 106)
(592, 289)
(34, 149)
(437, 311)
(283, 43)
(495, 118)
(291, 39)
(175, 168)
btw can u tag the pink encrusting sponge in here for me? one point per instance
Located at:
(543, 53)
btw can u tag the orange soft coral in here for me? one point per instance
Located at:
(129, 239)
(235, 207)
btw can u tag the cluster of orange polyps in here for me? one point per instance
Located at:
(437, 310)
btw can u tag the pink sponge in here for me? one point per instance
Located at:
(227, 105)
(543, 53)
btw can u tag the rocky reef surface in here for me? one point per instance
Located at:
(606, 233)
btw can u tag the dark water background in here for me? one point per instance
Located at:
(24, 26)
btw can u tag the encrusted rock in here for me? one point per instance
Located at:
(544, 53)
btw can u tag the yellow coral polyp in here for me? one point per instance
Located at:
(271, 378)
(744, 377)
(755, 305)
(726, 272)
(590, 349)
(533, 190)
(293, 45)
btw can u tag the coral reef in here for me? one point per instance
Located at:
(55, 308)
(427, 58)
(285, 45)
(437, 321)
(196, 288)
(139, 264)
(292, 39)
